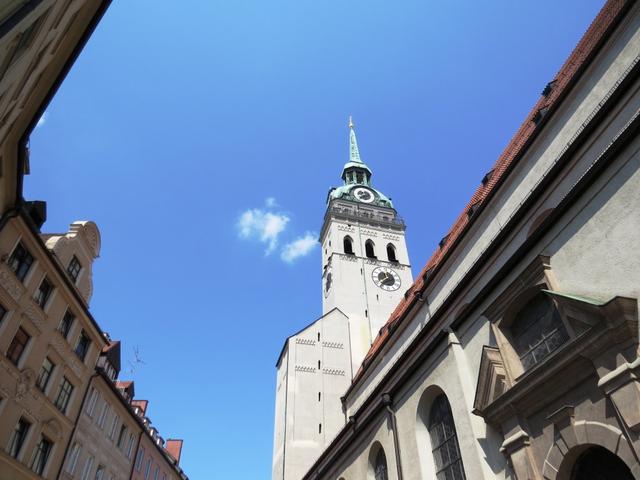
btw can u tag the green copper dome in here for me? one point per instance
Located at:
(356, 176)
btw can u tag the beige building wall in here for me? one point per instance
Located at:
(106, 435)
(153, 461)
(43, 407)
(38, 43)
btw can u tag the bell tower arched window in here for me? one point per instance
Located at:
(380, 466)
(391, 253)
(537, 330)
(444, 441)
(347, 244)
(369, 249)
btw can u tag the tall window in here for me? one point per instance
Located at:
(114, 427)
(99, 473)
(130, 445)
(82, 347)
(380, 466)
(103, 414)
(91, 402)
(20, 261)
(73, 269)
(73, 458)
(537, 330)
(42, 455)
(88, 466)
(66, 323)
(139, 459)
(18, 345)
(45, 374)
(122, 435)
(18, 437)
(43, 293)
(391, 253)
(64, 395)
(348, 245)
(369, 249)
(147, 470)
(444, 441)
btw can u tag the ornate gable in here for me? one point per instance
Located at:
(492, 379)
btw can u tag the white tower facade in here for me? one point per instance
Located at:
(365, 272)
(365, 261)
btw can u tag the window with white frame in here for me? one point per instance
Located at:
(41, 455)
(73, 458)
(103, 415)
(91, 402)
(114, 427)
(88, 467)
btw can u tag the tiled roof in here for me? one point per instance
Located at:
(141, 404)
(551, 96)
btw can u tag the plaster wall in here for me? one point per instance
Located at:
(313, 373)
(353, 289)
(97, 434)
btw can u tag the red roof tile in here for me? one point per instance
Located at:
(554, 90)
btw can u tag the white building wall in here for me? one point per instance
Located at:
(617, 56)
(313, 373)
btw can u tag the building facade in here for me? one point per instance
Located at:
(63, 413)
(515, 352)
(49, 343)
(107, 432)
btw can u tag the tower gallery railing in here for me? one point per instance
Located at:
(390, 220)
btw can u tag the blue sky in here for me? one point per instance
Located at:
(202, 138)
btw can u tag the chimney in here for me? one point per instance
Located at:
(174, 448)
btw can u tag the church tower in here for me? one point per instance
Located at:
(365, 272)
(365, 262)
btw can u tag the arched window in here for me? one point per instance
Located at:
(369, 249)
(444, 441)
(380, 466)
(537, 330)
(348, 245)
(391, 253)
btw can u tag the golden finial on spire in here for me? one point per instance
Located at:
(350, 122)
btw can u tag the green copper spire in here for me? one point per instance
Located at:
(354, 153)
(356, 176)
(355, 163)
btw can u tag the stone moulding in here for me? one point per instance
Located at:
(10, 283)
(305, 369)
(491, 379)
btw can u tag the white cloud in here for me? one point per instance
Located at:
(266, 226)
(299, 247)
(270, 202)
(42, 120)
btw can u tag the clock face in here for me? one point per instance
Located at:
(363, 195)
(386, 278)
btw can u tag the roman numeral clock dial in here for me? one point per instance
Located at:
(386, 278)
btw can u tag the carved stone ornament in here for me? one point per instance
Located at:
(24, 384)
(517, 449)
(492, 379)
(34, 314)
(53, 428)
(10, 283)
